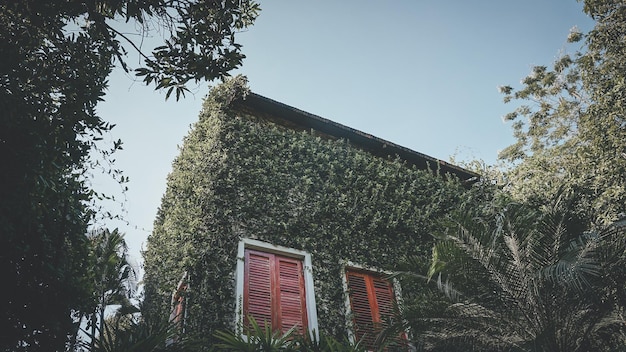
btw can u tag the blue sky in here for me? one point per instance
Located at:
(420, 73)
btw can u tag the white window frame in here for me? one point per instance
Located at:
(311, 308)
(346, 265)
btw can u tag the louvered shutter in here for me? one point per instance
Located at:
(387, 310)
(292, 305)
(362, 314)
(258, 287)
(274, 291)
(178, 303)
(372, 301)
(384, 299)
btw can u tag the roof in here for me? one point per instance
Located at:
(297, 119)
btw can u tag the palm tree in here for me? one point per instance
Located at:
(125, 331)
(115, 279)
(518, 279)
(115, 284)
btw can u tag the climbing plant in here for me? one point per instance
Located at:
(240, 176)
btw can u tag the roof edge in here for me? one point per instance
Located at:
(296, 118)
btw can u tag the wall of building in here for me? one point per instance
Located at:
(239, 176)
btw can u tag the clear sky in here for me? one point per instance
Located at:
(419, 73)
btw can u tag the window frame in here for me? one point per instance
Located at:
(350, 266)
(307, 269)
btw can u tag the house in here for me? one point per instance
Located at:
(292, 219)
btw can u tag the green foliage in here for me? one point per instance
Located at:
(531, 278)
(127, 333)
(516, 279)
(570, 127)
(241, 176)
(114, 278)
(114, 324)
(47, 126)
(202, 47)
(257, 338)
(56, 57)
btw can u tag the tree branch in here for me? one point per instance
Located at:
(129, 41)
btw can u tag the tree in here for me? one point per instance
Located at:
(115, 279)
(124, 332)
(571, 127)
(115, 283)
(515, 279)
(56, 56)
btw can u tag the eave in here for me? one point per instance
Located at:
(297, 119)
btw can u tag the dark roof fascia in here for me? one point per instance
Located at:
(298, 119)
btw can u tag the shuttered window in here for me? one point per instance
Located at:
(178, 304)
(274, 291)
(372, 301)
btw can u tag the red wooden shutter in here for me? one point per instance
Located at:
(257, 298)
(292, 306)
(372, 300)
(385, 299)
(178, 310)
(177, 314)
(274, 291)
(363, 312)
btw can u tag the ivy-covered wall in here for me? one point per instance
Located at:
(240, 176)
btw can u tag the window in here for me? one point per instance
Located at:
(177, 314)
(274, 291)
(275, 286)
(372, 305)
(178, 308)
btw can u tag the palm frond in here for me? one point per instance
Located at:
(520, 279)
(257, 338)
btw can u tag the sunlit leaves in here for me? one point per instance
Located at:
(202, 47)
(565, 126)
